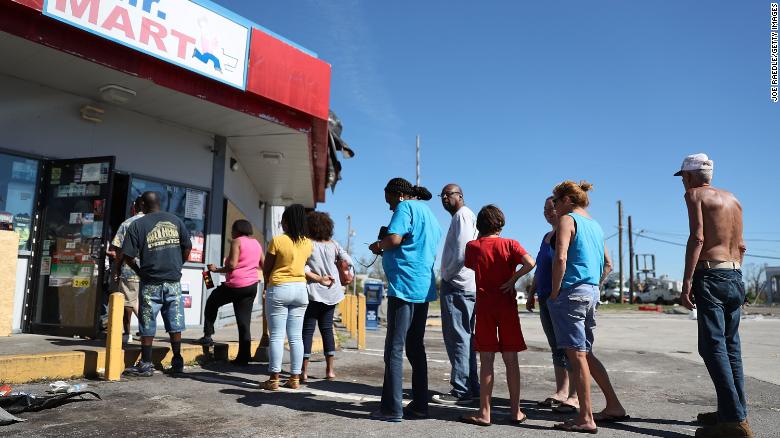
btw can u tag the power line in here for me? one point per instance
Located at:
(757, 256)
(664, 233)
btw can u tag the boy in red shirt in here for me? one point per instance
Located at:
(494, 260)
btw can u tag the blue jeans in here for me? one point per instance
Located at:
(573, 314)
(320, 314)
(286, 304)
(558, 354)
(719, 294)
(405, 326)
(457, 326)
(163, 297)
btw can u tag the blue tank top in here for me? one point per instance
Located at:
(544, 262)
(585, 259)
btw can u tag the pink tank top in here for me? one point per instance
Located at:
(245, 274)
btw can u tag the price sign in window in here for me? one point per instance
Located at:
(189, 204)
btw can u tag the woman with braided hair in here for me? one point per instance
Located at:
(409, 251)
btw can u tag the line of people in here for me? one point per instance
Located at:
(301, 293)
(479, 308)
(479, 270)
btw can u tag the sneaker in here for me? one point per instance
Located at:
(735, 430)
(177, 365)
(381, 416)
(205, 340)
(452, 400)
(140, 369)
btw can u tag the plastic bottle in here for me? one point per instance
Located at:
(78, 387)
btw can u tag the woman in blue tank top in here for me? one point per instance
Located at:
(579, 267)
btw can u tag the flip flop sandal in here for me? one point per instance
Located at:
(473, 421)
(549, 402)
(518, 422)
(571, 427)
(606, 418)
(565, 408)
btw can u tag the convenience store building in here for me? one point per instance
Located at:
(101, 100)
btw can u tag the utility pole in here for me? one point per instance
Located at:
(418, 159)
(631, 290)
(349, 235)
(620, 247)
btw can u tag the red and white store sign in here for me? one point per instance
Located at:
(182, 32)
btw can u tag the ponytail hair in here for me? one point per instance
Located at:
(422, 193)
(404, 187)
(578, 193)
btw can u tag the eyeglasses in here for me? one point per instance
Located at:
(448, 194)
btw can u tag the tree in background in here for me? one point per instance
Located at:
(755, 280)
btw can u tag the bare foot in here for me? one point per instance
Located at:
(518, 418)
(573, 426)
(572, 402)
(607, 417)
(475, 420)
(558, 397)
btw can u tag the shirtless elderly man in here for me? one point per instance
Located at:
(713, 284)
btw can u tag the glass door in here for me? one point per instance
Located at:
(70, 256)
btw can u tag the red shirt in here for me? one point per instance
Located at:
(494, 260)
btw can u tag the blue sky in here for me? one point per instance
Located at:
(512, 97)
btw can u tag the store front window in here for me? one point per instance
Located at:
(18, 178)
(188, 203)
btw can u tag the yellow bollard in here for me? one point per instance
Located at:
(351, 314)
(347, 314)
(115, 356)
(353, 308)
(361, 322)
(342, 311)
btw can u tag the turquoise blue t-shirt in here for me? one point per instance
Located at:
(409, 267)
(585, 258)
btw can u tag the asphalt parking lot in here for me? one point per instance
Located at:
(651, 359)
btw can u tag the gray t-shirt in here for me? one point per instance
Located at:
(323, 262)
(463, 229)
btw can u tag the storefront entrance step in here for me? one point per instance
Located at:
(88, 358)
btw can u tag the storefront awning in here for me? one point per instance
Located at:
(283, 108)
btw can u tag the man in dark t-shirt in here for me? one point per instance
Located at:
(161, 242)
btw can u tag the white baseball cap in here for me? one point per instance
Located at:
(695, 162)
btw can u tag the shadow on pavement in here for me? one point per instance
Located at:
(302, 402)
(644, 430)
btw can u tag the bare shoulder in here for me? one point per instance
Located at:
(697, 194)
(566, 220)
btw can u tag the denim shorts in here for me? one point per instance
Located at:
(573, 314)
(165, 298)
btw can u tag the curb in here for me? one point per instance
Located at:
(24, 368)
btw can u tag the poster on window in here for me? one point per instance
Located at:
(196, 255)
(195, 205)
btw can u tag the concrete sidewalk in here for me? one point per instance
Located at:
(28, 358)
